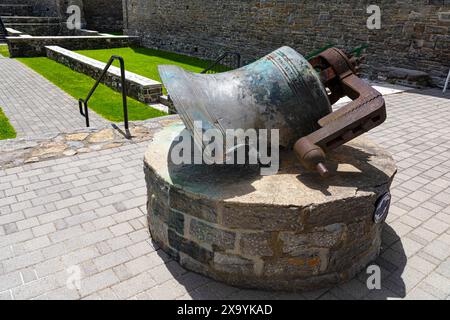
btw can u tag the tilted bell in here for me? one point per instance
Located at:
(281, 91)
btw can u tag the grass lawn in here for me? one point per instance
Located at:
(144, 61)
(105, 101)
(4, 50)
(6, 129)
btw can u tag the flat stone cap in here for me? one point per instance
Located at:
(130, 76)
(358, 167)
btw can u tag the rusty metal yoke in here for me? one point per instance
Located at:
(365, 112)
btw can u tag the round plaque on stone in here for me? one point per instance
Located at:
(290, 231)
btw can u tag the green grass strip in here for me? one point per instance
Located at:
(6, 129)
(4, 51)
(105, 101)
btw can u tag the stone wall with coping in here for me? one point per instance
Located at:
(415, 34)
(35, 46)
(138, 87)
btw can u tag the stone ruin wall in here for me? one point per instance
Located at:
(104, 15)
(101, 15)
(40, 7)
(415, 34)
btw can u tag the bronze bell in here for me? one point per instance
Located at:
(281, 91)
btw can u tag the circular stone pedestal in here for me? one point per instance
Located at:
(290, 231)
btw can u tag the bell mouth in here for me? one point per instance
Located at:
(191, 100)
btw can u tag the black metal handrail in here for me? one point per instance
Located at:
(3, 30)
(84, 102)
(219, 61)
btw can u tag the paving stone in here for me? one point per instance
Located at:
(141, 248)
(10, 228)
(35, 288)
(22, 261)
(9, 281)
(63, 293)
(44, 229)
(144, 263)
(419, 294)
(438, 249)
(422, 265)
(444, 269)
(121, 229)
(97, 282)
(49, 267)
(28, 275)
(112, 259)
(6, 295)
(27, 223)
(438, 285)
(436, 225)
(134, 286)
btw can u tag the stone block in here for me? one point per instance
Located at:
(262, 217)
(218, 239)
(232, 264)
(257, 244)
(328, 237)
(190, 248)
(176, 221)
(309, 262)
(199, 208)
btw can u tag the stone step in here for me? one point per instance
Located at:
(39, 28)
(29, 19)
(35, 46)
(160, 107)
(406, 77)
(16, 10)
(13, 32)
(138, 87)
(165, 100)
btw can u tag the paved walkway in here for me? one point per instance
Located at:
(86, 213)
(34, 105)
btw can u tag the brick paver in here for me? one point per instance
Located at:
(52, 226)
(34, 105)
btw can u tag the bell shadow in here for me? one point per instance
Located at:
(392, 262)
(348, 167)
(216, 180)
